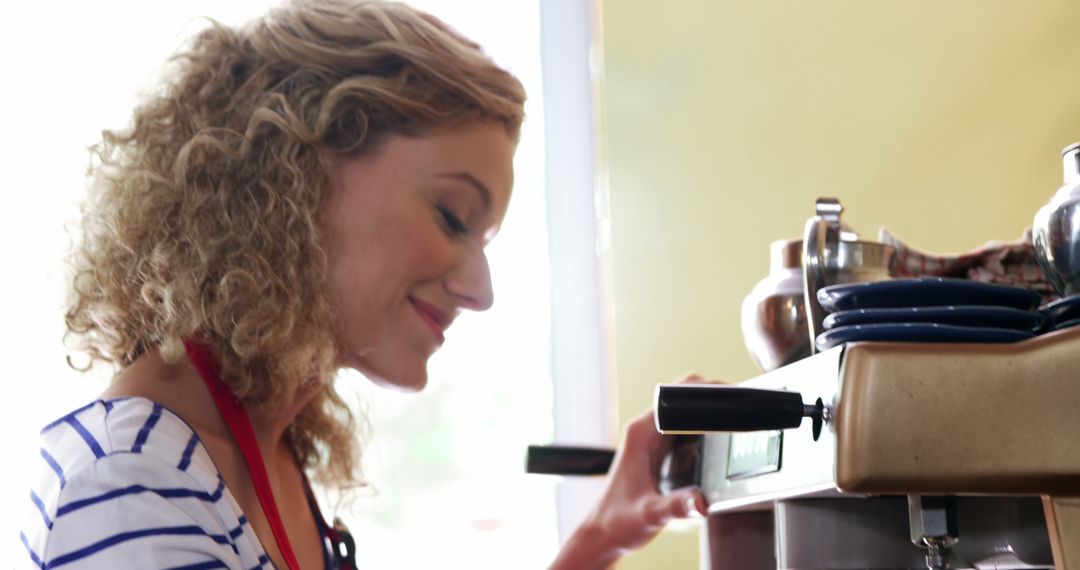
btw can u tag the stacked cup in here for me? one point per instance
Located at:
(933, 309)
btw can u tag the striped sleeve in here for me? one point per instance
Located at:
(130, 510)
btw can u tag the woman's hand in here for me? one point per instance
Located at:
(631, 511)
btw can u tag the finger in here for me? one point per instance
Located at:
(690, 504)
(641, 434)
(642, 429)
(695, 504)
(695, 378)
(642, 448)
(677, 505)
(661, 511)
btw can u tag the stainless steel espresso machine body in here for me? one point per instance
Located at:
(968, 450)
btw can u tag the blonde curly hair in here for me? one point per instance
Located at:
(202, 216)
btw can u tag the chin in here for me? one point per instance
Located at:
(398, 380)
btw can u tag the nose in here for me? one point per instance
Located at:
(470, 283)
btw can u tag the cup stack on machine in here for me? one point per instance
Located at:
(851, 290)
(933, 309)
(950, 309)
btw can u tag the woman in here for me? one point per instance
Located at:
(311, 192)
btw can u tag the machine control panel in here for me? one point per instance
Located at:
(754, 453)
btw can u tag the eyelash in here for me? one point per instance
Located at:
(453, 223)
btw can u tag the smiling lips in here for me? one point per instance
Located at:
(434, 317)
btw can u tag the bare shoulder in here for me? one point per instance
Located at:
(147, 377)
(176, 386)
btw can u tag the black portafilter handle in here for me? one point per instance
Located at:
(680, 468)
(703, 408)
(568, 460)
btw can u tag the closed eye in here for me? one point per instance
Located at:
(453, 224)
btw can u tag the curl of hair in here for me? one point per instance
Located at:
(202, 216)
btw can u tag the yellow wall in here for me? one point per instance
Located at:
(940, 119)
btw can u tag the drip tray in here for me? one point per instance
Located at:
(873, 534)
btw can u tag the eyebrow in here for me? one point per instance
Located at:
(471, 180)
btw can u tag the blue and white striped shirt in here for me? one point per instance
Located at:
(128, 484)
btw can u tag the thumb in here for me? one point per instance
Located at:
(694, 378)
(678, 505)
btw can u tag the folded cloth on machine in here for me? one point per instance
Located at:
(1008, 263)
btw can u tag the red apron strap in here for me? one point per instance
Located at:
(239, 424)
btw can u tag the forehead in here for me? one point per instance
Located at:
(481, 151)
(478, 155)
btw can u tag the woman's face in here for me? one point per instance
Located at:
(404, 229)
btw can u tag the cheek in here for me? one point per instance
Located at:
(369, 284)
(419, 252)
(350, 301)
(432, 260)
(352, 282)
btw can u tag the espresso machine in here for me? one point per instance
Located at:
(892, 455)
(882, 455)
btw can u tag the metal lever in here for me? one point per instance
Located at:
(694, 409)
